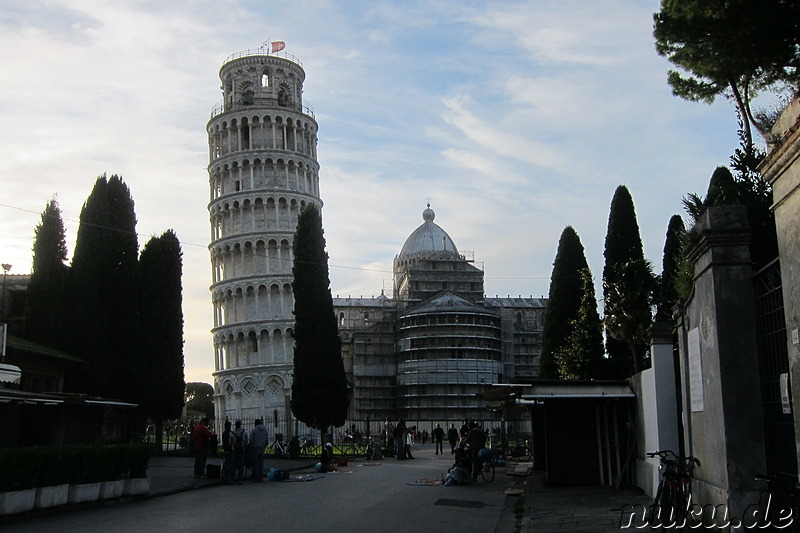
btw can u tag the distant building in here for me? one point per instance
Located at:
(425, 354)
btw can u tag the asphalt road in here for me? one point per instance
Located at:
(377, 497)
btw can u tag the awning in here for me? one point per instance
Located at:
(10, 374)
(578, 389)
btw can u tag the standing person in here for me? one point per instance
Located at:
(438, 437)
(238, 442)
(258, 443)
(400, 439)
(326, 460)
(452, 438)
(424, 436)
(226, 452)
(409, 443)
(476, 440)
(201, 439)
(465, 427)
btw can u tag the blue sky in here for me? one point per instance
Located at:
(516, 119)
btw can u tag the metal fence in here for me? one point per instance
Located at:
(773, 359)
(176, 434)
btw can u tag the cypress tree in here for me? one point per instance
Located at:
(564, 300)
(161, 326)
(105, 291)
(319, 384)
(670, 267)
(582, 354)
(623, 245)
(628, 317)
(47, 297)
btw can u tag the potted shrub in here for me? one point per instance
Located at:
(112, 469)
(54, 476)
(136, 480)
(85, 480)
(18, 478)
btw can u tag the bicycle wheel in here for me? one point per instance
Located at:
(487, 471)
(654, 516)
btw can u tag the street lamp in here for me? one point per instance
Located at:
(6, 268)
(3, 326)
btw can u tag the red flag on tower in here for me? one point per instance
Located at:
(277, 46)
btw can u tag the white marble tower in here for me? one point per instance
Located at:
(262, 171)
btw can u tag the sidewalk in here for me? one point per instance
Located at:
(170, 474)
(579, 509)
(538, 507)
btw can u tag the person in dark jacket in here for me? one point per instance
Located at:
(238, 442)
(226, 452)
(452, 437)
(258, 443)
(201, 439)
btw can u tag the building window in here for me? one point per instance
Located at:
(341, 319)
(265, 79)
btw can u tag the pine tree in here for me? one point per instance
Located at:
(47, 296)
(105, 291)
(563, 301)
(623, 245)
(582, 354)
(319, 384)
(160, 359)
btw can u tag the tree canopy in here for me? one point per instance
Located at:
(671, 265)
(582, 354)
(628, 300)
(161, 326)
(47, 297)
(200, 397)
(564, 300)
(623, 245)
(105, 292)
(734, 48)
(319, 384)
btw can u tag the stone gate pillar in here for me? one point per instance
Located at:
(722, 419)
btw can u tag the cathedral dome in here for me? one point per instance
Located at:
(429, 237)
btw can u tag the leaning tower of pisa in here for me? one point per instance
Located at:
(262, 171)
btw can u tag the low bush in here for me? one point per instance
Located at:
(43, 466)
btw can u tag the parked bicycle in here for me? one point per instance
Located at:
(519, 451)
(279, 448)
(674, 494)
(779, 506)
(486, 457)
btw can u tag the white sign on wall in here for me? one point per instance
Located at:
(695, 371)
(786, 404)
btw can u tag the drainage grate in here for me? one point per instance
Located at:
(459, 503)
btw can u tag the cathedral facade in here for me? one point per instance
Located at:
(427, 352)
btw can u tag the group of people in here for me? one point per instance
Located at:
(403, 440)
(453, 437)
(240, 448)
(470, 440)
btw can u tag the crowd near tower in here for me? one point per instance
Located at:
(262, 171)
